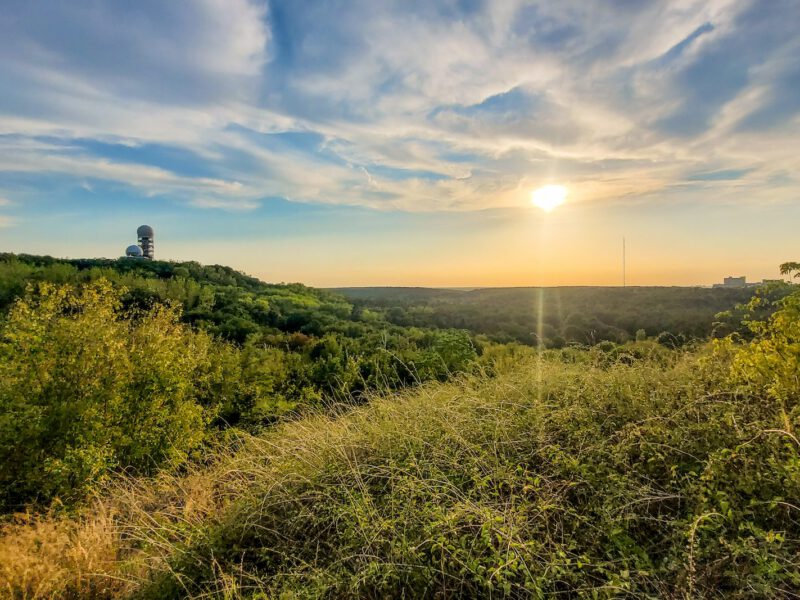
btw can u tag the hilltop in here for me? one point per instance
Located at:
(147, 450)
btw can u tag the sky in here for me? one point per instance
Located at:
(343, 143)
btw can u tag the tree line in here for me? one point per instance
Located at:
(558, 317)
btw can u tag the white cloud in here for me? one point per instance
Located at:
(230, 205)
(408, 99)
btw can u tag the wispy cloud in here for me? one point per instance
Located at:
(231, 205)
(404, 106)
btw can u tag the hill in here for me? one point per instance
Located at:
(645, 473)
(145, 454)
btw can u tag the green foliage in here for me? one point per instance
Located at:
(556, 316)
(103, 372)
(577, 473)
(86, 386)
(314, 345)
(764, 301)
(769, 364)
(790, 268)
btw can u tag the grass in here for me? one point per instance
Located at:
(586, 475)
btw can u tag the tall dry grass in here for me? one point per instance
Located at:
(48, 557)
(119, 539)
(584, 475)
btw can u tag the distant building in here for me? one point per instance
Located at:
(732, 282)
(741, 282)
(146, 247)
(134, 252)
(737, 282)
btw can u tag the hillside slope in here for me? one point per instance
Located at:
(644, 473)
(327, 346)
(630, 469)
(133, 365)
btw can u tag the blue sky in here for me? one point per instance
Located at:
(397, 143)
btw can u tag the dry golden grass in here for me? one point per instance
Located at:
(61, 557)
(130, 531)
(136, 527)
(116, 541)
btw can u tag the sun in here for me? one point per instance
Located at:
(549, 197)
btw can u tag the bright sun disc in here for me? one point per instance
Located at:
(549, 196)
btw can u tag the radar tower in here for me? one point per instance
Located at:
(145, 235)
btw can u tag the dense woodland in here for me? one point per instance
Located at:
(569, 315)
(170, 350)
(301, 325)
(171, 430)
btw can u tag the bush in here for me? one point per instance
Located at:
(770, 362)
(86, 387)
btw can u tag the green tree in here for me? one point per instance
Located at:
(791, 269)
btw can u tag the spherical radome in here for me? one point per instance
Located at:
(133, 251)
(145, 231)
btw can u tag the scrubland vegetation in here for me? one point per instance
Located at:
(642, 469)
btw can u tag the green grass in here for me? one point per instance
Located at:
(587, 475)
(553, 478)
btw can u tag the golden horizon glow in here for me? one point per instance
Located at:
(549, 197)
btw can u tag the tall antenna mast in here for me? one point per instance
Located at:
(623, 261)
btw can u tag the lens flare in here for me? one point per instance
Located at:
(549, 197)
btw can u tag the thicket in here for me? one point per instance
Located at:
(636, 471)
(308, 344)
(95, 379)
(87, 387)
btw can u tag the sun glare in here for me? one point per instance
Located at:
(549, 197)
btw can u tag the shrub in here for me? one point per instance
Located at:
(86, 387)
(770, 362)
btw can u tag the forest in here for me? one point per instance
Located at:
(170, 350)
(568, 315)
(176, 430)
